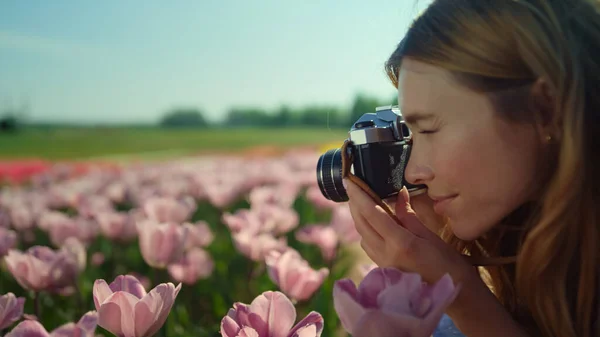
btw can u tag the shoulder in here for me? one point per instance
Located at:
(446, 328)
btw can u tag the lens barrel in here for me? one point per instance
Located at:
(329, 176)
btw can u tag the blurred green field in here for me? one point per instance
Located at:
(149, 143)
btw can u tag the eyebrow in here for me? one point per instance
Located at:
(416, 117)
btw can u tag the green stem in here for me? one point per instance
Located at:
(250, 281)
(156, 277)
(36, 305)
(79, 299)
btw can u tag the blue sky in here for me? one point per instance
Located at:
(130, 61)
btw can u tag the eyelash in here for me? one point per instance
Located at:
(427, 131)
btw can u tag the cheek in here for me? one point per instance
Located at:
(454, 163)
(491, 176)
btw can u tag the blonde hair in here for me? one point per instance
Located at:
(501, 48)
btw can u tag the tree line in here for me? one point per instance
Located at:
(284, 116)
(237, 117)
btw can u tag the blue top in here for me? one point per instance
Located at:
(446, 328)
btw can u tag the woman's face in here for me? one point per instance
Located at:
(477, 167)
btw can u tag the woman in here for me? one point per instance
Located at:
(500, 98)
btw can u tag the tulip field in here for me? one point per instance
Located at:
(203, 246)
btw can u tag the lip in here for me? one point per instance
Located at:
(441, 204)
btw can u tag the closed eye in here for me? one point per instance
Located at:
(427, 131)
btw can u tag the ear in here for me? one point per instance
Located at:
(543, 106)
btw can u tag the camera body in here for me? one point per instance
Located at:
(380, 149)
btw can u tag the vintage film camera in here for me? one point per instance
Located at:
(380, 148)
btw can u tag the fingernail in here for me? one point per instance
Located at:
(405, 195)
(345, 183)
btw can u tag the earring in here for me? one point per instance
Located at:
(548, 138)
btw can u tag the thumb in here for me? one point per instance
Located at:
(408, 217)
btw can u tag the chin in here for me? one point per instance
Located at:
(465, 230)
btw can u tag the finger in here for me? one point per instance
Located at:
(423, 207)
(364, 228)
(391, 201)
(376, 216)
(409, 218)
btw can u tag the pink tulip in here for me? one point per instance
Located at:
(282, 195)
(117, 226)
(162, 209)
(222, 196)
(194, 265)
(77, 251)
(389, 302)
(126, 310)
(265, 218)
(22, 218)
(8, 240)
(324, 237)
(88, 206)
(4, 218)
(11, 309)
(293, 275)
(243, 219)
(97, 259)
(49, 218)
(256, 246)
(277, 219)
(199, 235)
(161, 244)
(116, 192)
(41, 268)
(83, 229)
(271, 314)
(86, 327)
(343, 224)
(315, 196)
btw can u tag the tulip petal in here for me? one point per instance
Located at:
(248, 332)
(101, 292)
(378, 323)
(257, 322)
(307, 331)
(18, 311)
(65, 330)
(398, 299)
(126, 303)
(285, 268)
(129, 284)
(443, 291)
(159, 302)
(11, 309)
(145, 317)
(229, 327)
(28, 328)
(88, 322)
(348, 309)
(276, 310)
(313, 279)
(241, 314)
(377, 280)
(442, 294)
(109, 318)
(313, 323)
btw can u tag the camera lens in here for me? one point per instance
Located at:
(329, 176)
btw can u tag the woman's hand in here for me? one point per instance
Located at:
(411, 247)
(422, 205)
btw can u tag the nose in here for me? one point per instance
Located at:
(417, 172)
